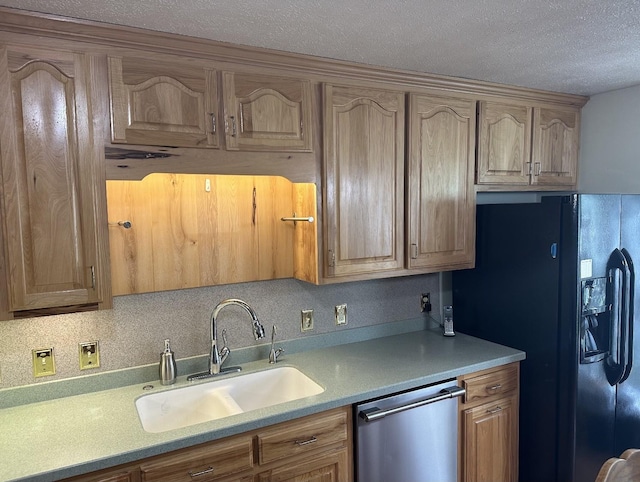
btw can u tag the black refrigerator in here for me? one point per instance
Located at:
(556, 279)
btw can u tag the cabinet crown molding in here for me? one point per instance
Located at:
(92, 32)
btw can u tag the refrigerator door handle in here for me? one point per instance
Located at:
(630, 316)
(616, 365)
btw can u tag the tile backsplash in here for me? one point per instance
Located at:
(132, 333)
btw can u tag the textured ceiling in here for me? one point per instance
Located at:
(573, 46)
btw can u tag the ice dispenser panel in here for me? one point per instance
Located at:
(594, 332)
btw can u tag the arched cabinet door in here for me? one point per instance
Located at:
(441, 196)
(49, 182)
(266, 113)
(555, 146)
(163, 102)
(504, 144)
(364, 180)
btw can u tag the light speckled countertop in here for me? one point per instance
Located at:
(59, 438)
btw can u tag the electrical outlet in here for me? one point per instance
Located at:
(306, 320)
(425, 302)
(43, 362)
(341, 314)
(89, 355)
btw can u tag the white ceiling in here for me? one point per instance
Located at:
(573, 46)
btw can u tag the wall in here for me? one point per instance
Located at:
(610, 143)
(132, 333)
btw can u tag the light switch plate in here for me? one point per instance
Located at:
(306, 320)
(44, 364)
(89, 355)
(341, 314)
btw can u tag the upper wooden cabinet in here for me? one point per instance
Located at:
(504, 144)
(441, 197)
(267, 113)
(364, 180)
(556, 133)
(51, 189)
(174, 102)
(527, 145)
(170, 103)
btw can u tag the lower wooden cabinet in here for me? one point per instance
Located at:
(489, 425)
(121, 474)
(327, 467)
(313, 448)
(215, 461)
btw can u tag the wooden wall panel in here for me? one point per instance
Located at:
(183, 235)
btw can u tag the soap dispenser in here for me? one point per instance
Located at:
(168, 369)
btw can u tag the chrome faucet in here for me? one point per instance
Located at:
(218, 357)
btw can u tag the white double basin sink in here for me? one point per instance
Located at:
(184, 406)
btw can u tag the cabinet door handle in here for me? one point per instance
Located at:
(208, 470)
(495, 410)
(306, 442)
(495, 387)
(529, 168)
(213, 122)
(234, 127)
(537, 168)
(414, 251)
(332, 258)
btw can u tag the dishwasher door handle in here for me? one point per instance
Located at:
(374, 413)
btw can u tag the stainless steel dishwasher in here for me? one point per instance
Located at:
(410, 436)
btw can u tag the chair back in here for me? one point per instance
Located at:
(623, 469)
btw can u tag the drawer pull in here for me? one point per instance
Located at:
(306, 442)
(495, 387)
(202, 472)
(495, 410)
(213, 122)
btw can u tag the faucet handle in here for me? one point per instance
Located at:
(224, 351)
(273, 353)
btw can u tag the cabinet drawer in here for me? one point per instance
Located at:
(302, 436)
(119, 475)
(493, 384)
(210, 462)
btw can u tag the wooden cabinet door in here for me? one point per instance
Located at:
(222, 461)
(504, 146)
(163, 102)
(49, 192)
(328, 467)
(364, 180)
(441, 218)
(118, 475)
(266, 113)
(555, 146)
(490, 444)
